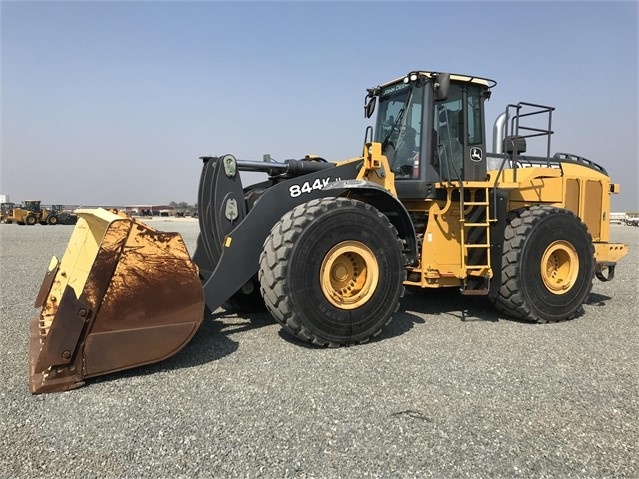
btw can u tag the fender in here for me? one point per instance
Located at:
(229, 246)
(389, 205)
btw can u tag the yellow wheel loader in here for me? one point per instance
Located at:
(6, 212)
(31, 213)
(329, 247)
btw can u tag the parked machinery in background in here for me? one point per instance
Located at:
(31, 212)
(6, 212)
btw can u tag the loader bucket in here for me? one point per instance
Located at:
(124, 295)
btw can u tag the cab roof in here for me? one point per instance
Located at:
(484, 82)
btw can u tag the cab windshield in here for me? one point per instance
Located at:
(399, 127)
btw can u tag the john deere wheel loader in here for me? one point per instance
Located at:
(31, 213)
(328, 248)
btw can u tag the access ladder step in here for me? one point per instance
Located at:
(469, 225)
(475, 292)
(476, 286)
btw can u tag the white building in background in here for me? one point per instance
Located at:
(4, 199)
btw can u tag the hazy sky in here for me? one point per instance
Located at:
(112, 103)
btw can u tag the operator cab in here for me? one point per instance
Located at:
(33, 206)
(431, 127)
(6, 208)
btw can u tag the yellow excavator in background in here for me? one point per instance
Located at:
(329, 247)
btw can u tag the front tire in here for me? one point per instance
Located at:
(547, 265)
(30, 220)
(332, 271)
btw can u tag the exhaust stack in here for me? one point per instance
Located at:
(499, 132)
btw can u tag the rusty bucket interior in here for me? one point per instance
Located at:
(123, 295)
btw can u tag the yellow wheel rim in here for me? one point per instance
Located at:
(349, 275)
(559, 267)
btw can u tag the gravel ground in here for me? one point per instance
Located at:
(451, 389)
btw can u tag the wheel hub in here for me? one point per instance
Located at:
(349, 275)
(559, 267)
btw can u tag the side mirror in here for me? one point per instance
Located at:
(441, 85)
(370, 107)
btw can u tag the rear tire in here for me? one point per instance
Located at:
(547, 265)
(52, 220)
(332, 271)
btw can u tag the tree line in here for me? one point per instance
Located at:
(183, 205)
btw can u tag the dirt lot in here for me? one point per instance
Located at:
(452, 389)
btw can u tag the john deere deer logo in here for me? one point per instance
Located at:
(475, 154)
